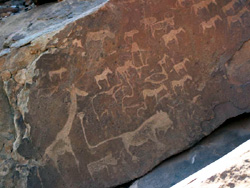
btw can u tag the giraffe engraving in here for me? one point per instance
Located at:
(62, 143)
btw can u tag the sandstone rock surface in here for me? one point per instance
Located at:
(113, 93)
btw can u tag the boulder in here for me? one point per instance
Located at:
(226, 138)
(231, 170)
(118, 90)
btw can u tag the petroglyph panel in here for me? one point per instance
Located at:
(134, 83)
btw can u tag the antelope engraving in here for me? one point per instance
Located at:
(145, 132)
(210, 23)
(57, 72)
(148, 22)
(130, 34)
(62, 143)
(180, 83)
(172, 35)
(229, 6)
(104, 163)
(237, 17)
(201, 5)
(124, 70)
(154, 26)
(103, 76)
(99, 36)
(163, 24)
(153, 92)
(180, 66)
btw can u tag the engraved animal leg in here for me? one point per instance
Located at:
(126, 146)
(100, 87)
(107, 81)
(176, 40)
(93, 107)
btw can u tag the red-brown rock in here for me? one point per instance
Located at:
(122, 89)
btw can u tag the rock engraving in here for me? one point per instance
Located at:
(99, 36)
(102, 164)
(180, 66)
(62, 143)
(145, 132)
(210, 23)
(172, 35)
(180, 83)
(103, 76)
(237, 17)
(57, 72)
(229, 6)
(201, 5)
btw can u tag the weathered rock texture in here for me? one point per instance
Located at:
(220, 142)
(116, 92)
(230, 171)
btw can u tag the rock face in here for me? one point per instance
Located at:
(230, 171)
(222, 141)
(116, 92)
